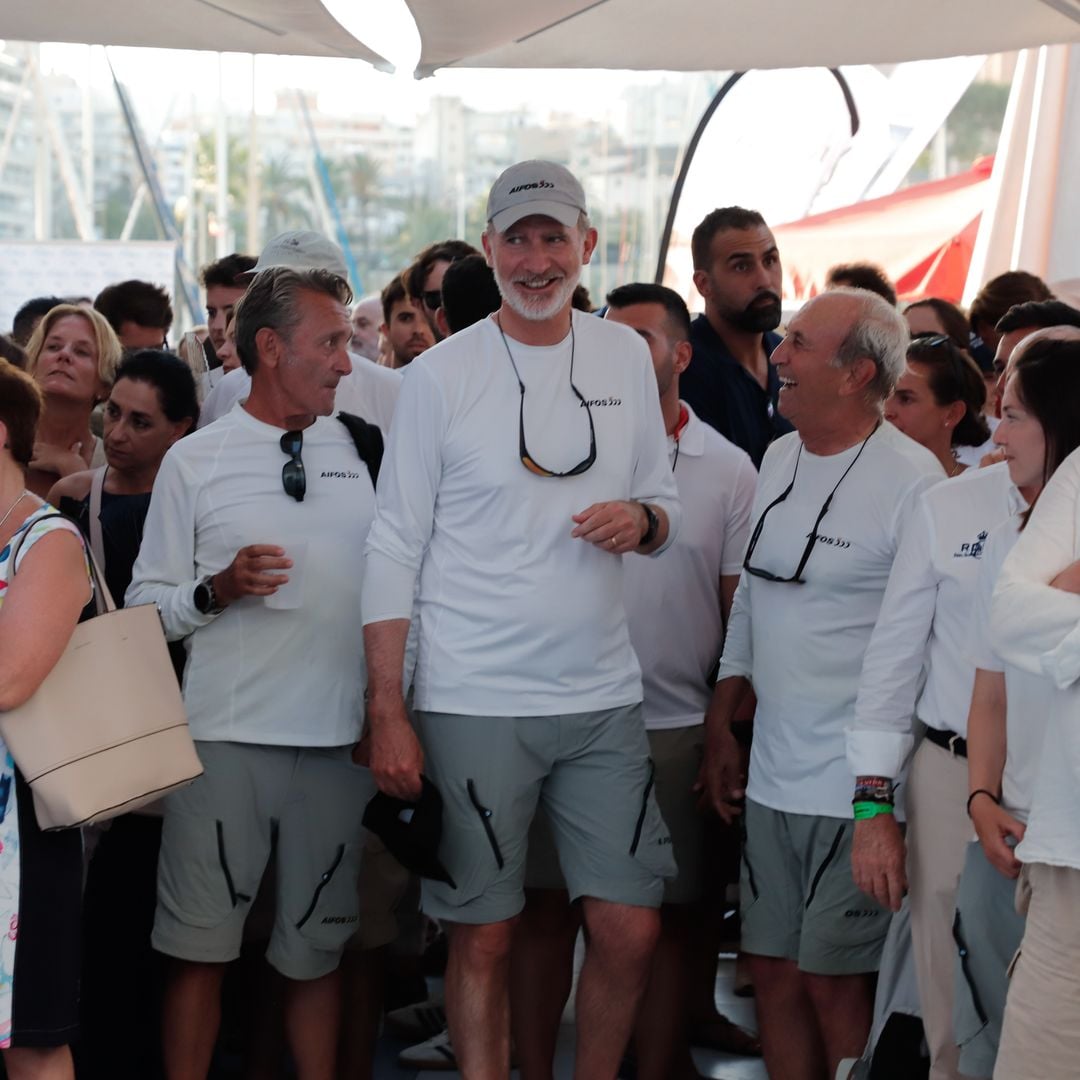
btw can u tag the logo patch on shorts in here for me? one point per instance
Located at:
(861, 913)
(339, 920)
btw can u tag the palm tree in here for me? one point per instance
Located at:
(286, 197)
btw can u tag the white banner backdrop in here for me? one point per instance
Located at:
(73, 269)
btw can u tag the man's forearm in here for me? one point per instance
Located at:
(384, 649)
(726, 698)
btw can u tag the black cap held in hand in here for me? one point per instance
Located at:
(411, 830)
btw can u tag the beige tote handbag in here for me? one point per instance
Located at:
(106, 731)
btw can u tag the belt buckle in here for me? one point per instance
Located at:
(953, 740)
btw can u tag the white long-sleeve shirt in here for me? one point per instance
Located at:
(1037, 628)
(255, 673)
(516, 616)
(925, 622)
(673, 602)
(1028, 697)
(802, 646)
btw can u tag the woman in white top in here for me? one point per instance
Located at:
(939, 399)
(1040, 427)
(43, 587)
(72, 355)
(1034, 625)
(917, 665)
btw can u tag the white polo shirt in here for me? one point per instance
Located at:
(925, 622)
(802, 646)
(673, 602)
(516, 616)
(258, 674)
(1028, 697)
(1037, 628)
(368, 390)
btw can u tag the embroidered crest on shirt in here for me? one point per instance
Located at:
(973, 550)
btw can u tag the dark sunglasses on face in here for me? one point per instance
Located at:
(432, 299)
(293, 477)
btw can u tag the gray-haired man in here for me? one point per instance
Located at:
(832, 502)
(253, 553)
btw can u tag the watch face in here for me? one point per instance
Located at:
(202, 598)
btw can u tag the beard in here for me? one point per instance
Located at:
(538, 308)
(756, 317)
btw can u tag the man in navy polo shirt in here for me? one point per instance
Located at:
(730, 383)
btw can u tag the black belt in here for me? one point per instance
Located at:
(948, 740)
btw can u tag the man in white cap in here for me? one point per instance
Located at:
(369, 390)
(531, 456)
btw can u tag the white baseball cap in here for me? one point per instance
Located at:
(300, 249)
(535, 187)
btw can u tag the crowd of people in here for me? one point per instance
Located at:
(509, 620)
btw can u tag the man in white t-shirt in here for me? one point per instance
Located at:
(832, 502)
(368, 390)
(526, 458)
(253, 553)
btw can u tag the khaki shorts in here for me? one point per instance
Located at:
(217, 838)
(987, 931)
(1040, 1039)
(676, 755)
(592, 775)
(798, 898)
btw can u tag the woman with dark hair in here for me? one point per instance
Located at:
(43, 587)
(938, 400)
(72, 355)
(152, 404)
(1040, 427)
(935, 316)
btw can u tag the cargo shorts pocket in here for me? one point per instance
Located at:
(651, 841)
(202, 879)
(331, 913)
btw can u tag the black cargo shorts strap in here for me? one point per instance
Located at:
(368, 439)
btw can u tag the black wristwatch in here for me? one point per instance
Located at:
(205, 598)
(652, 528)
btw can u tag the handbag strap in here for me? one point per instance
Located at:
(97, 543)
(103, 600)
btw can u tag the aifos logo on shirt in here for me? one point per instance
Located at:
(340, 474)
(600, 402)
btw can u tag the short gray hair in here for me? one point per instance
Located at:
(273, 300)
(879, 333)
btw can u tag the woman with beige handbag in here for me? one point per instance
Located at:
(40, 873)
(152, 404)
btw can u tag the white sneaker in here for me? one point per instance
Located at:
(436, 1054)
(418, 1021)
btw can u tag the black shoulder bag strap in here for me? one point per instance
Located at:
(368, 440)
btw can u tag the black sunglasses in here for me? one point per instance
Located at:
(432, 298)
(527, 459)
(812, 538)
(293, 477)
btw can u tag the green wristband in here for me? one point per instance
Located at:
(864, 810)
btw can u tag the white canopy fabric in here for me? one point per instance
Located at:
(728, 35)
(1033, 218)
(287, 27)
